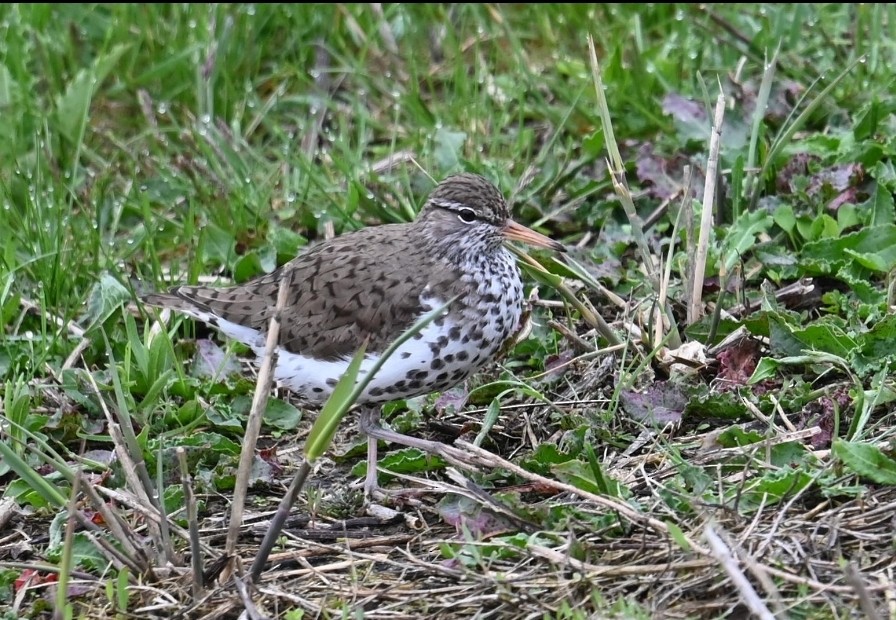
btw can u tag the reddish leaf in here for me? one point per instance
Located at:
(661, 403)
(453, 400)
(663, 177)
(737, 362)
(822, 413)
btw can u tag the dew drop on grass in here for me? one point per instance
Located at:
(290, 197)
(162, 108)
(29, 335)
(250, 10)
(191, 24)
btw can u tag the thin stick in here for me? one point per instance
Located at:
(709, 192)
(192, 523)
(253, 425)
(276, 526)
(747, 594)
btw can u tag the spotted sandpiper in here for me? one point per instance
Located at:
(373, 284)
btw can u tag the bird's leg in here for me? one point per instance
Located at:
(369, 422)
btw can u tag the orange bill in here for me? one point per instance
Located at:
(518, 232)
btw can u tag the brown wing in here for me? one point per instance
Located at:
(354, 286)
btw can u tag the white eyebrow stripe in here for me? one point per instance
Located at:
(448, 204)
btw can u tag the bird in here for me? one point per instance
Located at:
(370, 285)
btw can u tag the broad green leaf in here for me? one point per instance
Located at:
(544, 456)
(785, 218)
(771, 488)
(826, 337)
(742, 235)
(73, 106)
(782, 341)
(448, 147)
(106, 295)
(217, 246)
(824, 227)
(874, 245)
(581, 475)
(876, 346)
(280, 414)
(866, 461)
(737, 436)
(880, 262)
(880, 203)
(403, 461)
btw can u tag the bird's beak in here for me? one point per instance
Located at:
(518, 232)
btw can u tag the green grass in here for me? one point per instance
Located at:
(142, 143)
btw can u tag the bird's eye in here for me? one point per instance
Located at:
(467, 215)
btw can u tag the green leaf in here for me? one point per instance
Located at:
(73, 106)
(86, 554)
(772, 488)
(826, 337)
(30, 478)
(217, 246)
(765, 369)
(782, 342)
(582, 476)
(448, 147)
(593, 144)
(876, 346)
(742, 235)
(785, 218)
(403, 461)
(286, 242)
(824, 227)
(248, 266)
(737, 436)
(678, 536)
(866, 461)
(880, 204)
(282, 415)
(105, 296)
(544, 456)
(334, 409)
(875, 247)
